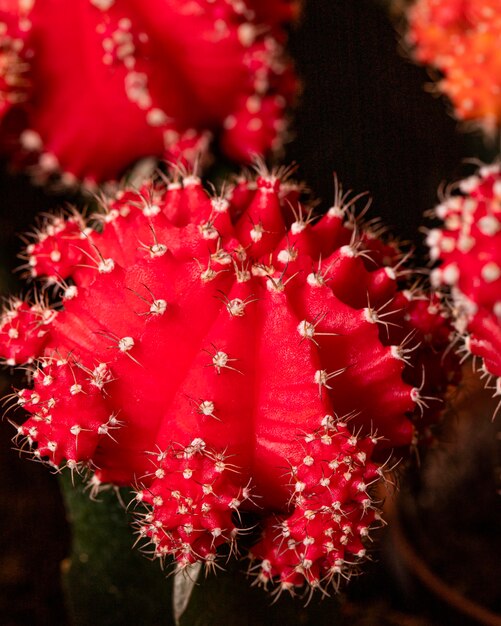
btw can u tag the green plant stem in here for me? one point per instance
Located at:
(106, 582)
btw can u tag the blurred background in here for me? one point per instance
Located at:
(365, 115)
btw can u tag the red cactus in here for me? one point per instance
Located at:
(88, 88)
(461, 39)
(469, 248)
(226, 352)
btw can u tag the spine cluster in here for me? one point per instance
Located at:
(324, 538)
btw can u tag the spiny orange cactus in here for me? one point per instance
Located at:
(461, 38)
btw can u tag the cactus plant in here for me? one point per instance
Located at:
(460, 38)
(229, 354)
(468, 246)
(89, 88)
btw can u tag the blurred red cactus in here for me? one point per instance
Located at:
(469, 247)
(90, 87)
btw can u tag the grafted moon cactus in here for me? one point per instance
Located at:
(468, 245)
(89, 87)
(461, 39)
(227, 354)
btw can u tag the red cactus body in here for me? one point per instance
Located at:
(231, 353)
(461, 39)
(88, 88)
(469, 248)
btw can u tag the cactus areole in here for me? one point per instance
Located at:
(88, 87)
(228, 353)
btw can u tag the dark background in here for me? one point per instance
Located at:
(363, 114)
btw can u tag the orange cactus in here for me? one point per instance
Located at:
(461, 38)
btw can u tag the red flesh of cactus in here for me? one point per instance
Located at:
(224, 352)
(92, 86)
